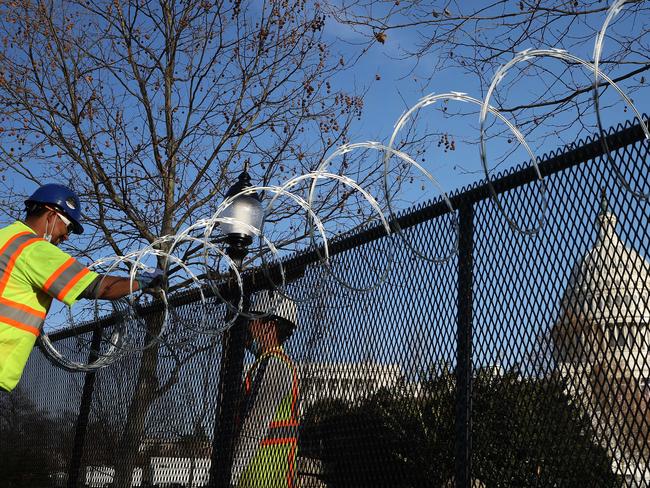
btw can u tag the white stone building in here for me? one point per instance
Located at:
(345, 381)
(601, 345)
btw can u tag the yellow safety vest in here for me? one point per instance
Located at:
(274, 463)
(32, 272)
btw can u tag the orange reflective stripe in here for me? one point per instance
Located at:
(21, 306)
(20, 316)
(284, 423)
(12, 239)
(72, 282)
(14, 256)
(290, 473)
(19, 325)
(64, 278)
(57, 273)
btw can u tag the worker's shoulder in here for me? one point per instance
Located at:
(18, 237)
(278, 357)
(15, 228)
(23, 237)
(46, 251)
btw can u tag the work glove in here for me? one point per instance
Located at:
(150, 278)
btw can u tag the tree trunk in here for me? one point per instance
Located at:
(146, 392)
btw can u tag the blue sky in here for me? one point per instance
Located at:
(401, 84)
(395, 83)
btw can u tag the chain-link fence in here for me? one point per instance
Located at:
(522, 361)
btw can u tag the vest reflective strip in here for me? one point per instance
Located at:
(292, 464)
(15, 314)
(25, 308)
(284, 423)
(64, 278)
(10, 252)
(20, 319)
(292, 421)
(294, 390)
(280, 441)
(283, 432)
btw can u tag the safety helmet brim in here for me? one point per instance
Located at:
(77, 228)
(269, 306)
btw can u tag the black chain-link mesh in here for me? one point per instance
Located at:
(520, 362)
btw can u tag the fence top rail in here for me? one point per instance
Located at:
(554, 162)
(294, 267)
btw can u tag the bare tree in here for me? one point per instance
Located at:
(149, 110)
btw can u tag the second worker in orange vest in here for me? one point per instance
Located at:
(266, 443)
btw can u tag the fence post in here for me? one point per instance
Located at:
(230, 378)
(84, 412)
(463, 475)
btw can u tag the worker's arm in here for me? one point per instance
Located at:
(272, 382)
(112, 287)
(55, 272)
(61, 276)
(109, 287)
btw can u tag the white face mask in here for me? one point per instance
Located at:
(48, 235)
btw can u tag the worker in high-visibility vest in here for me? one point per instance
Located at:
(266, 439)
(33, 271)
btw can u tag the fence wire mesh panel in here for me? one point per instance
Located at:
(37, 425)
(560, 334)
(152, 413)
(522, 361)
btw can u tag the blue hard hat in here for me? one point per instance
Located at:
(63, 198)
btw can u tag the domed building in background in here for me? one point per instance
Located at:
(601, 344)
